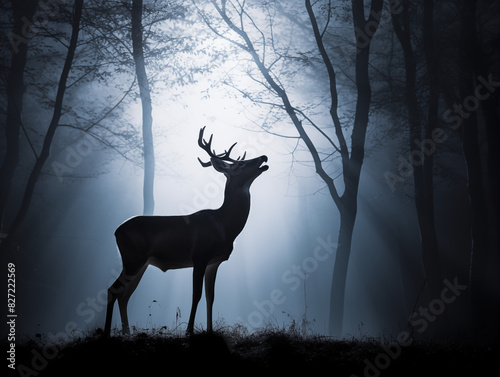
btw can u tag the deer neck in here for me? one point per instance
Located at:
(235, 209)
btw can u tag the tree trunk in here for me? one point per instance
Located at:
(15, 91)
(339, 278)
(485, 70)
(347, 203)
(147, 117)
(47, 142)
(481, 272)
(423, 163)
(430, 247)
(352, 170)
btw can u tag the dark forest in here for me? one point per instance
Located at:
(329, 167)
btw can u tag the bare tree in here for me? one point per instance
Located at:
(423, 172)
(147, 117)
(104, 57)
(239, 22)
(22, 13)
(456, 76)
(54, 124)
(485, 259)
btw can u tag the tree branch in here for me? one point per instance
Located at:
(333, 85)
(278, 89)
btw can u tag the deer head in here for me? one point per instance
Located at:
(239, 170)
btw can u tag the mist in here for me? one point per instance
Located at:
(280, 271)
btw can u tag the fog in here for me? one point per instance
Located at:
(74, 258)
(280, 271)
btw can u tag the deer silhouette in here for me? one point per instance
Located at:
(202, 240)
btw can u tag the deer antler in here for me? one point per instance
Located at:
(207, 147)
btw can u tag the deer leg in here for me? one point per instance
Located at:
(116, 289)
(109, 312)
(123, 299)
(198, 273)
(210, 274)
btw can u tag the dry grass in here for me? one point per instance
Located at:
(234, 350)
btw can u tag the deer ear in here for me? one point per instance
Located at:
(219, 165)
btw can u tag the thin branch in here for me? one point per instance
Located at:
(29, 140)
(318, 129)
(106, 114)
(260, 32)
(278, 89)
(215, 31)
(254, 100)
(333, 86)
(328, 18)
(275, 61)
(269, 132)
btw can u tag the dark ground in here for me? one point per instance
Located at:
(268, 351)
